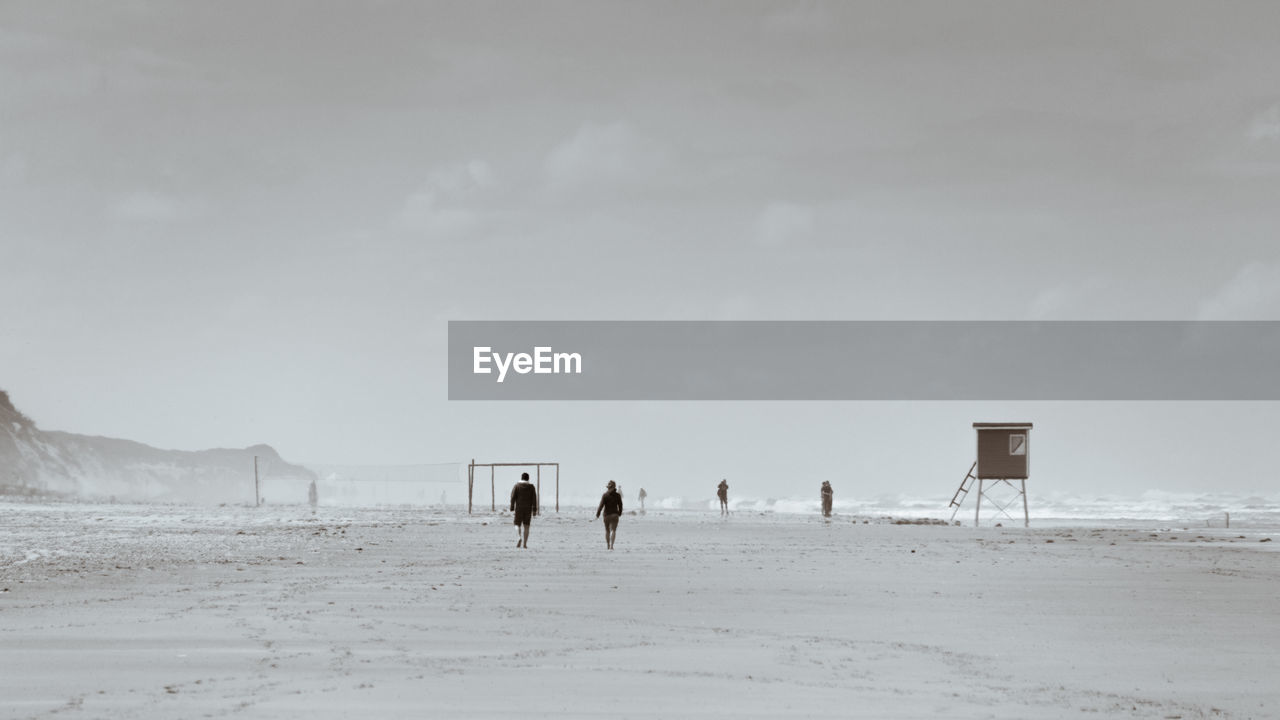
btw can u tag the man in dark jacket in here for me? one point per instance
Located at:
(611, 506)
(524, 503)
(827, 494)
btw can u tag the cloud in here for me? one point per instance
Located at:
(1253, 293)
(151, 207)
(1266, 125)
(783, 222)
(601, 156)
(463, 179)
(13, 168)
(734, 307)
(1069, 300)
(445, 204)
(1255, 153)
(799, 19)
(1050, 302)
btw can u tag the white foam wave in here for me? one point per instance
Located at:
(1154, 505)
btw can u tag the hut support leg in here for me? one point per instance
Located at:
(978, 505)
(1026, 515)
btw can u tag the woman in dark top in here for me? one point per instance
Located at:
(611, 506)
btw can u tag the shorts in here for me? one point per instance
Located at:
(524, 517)
(611, 520)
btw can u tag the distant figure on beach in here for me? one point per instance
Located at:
(722, 491)
(524, 503)
(313, 497)
(611, 506)
(642, 496)
(826, 498)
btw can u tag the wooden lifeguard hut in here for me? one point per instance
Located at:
(1003, 458)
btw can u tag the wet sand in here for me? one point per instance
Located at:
(164, 612)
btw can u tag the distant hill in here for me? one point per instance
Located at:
(49, 462)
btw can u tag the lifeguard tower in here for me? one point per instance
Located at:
(1004, 457)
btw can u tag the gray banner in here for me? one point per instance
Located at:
(863, 360)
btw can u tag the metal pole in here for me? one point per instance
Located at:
(557, 487)
(978, 505)
(539, 473)
(471, 482)
(493, 492)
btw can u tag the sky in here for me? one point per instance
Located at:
(240, 222)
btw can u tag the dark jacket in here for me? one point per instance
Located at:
(610, 504)
(524, 496)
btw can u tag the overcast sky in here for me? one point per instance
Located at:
(239, 222)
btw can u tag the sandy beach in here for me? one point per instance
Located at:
(163, 612)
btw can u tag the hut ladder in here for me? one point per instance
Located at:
(963, 491)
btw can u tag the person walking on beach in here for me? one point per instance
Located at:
(642, 497)
(611, 506)
(313, 496)
(722, 491)
(524, 503)
(826, 498)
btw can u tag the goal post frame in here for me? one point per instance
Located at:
(493, 490)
